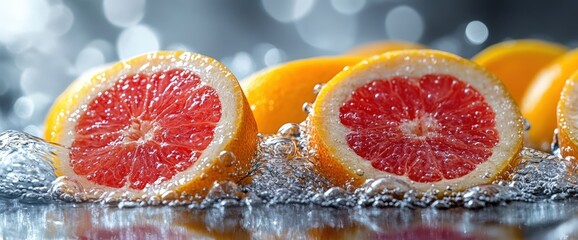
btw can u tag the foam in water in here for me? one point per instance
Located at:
(282, 173)
(26, 171)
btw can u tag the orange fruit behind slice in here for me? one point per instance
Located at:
(540, 100)
(161, 121)
(379, 47)
(426, 117)
(277, 94)
(567, 115)
(516, 62)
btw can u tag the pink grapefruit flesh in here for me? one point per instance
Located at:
(145, 129)
(430, 128)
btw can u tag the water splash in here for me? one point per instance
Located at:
(26, 170)
(283, 173)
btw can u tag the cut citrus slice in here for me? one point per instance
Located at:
(379, 47)
(516, 62)
(540, 100)
(277, 94)
(567, 114)
(426, 117)
(165, 120)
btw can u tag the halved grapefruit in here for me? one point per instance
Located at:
(427, 117)
(155, 122)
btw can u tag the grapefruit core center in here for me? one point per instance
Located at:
(139, 131)
(145, 129)
(428, 128)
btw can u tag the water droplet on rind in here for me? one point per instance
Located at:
(307, 107)
(317, 88)
(227, 158)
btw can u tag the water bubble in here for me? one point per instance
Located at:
(334, 192)
(317, 88)
(26, 170)
(67, 189)
(282, 147)
(222, 190)
(359, 172)
(283, 171)
(154, 200)
(526, 124)
(168, 196)
(289, 130)
(385, 186)
(307, 107)
(227, 158)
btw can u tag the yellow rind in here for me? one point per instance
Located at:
(541, 98)
(517, 62)
(276, 95)
(566, 132)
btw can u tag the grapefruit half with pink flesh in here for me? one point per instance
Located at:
(432, 119)
(161, 121)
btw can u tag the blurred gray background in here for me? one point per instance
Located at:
(46, 44)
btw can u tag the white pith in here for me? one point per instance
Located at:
(414, 65)
(211, 73)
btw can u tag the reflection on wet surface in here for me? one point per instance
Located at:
(517, 220)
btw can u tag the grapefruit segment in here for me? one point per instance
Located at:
(154, 122)
(422, 116)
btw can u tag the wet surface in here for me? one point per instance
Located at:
(518, 220)
(285, 199)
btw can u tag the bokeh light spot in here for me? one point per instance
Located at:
(288, 10)
(348, 7)
(125, 13)
(137, 40)
(476, 32)
(404, 23)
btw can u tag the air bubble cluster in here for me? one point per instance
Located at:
(283, 172)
